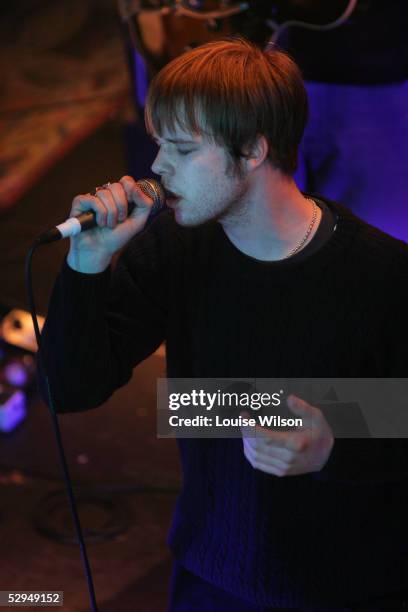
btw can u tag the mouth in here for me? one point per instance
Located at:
(172, 198)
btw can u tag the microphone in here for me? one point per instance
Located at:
(87, 220)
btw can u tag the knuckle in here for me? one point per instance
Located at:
(117, 190)
(103, 195)
(131, 191)
(255, 443)
(258, 451)
(98, 205)
(122, 213)
(137, 194)
(78, 202)
(107, 201)
(255, 455)
(101, 216)
(254, 450)
(127, 183)
(304, 443)
(120, 200)
(126, 178)
(247, 453)
(295, 445)
(250, 458)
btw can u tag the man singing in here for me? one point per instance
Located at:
(245, 276)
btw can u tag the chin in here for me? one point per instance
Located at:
(189, 221)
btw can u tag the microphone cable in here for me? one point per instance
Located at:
(51, 406)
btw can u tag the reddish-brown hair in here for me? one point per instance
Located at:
(232, 91)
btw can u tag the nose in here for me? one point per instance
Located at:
(161, 164)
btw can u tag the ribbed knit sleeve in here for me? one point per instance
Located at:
(99, 326)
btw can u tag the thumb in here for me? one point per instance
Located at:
(302, 408)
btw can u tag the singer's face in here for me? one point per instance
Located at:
(200, 174)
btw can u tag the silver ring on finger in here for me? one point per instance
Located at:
(104, 186)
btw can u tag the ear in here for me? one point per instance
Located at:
(257, 154)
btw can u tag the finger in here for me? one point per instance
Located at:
(105, 196)
(247, 430)
(135, 194)
(268, 465)
(257, 431)
(264, 439)
(265, 451)
(288, 455)
(260, 436)
(281, 443)
(128, 183)
(84, 202)
(272, 469)
(119, 199)
(295, 441)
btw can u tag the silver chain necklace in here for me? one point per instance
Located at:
(308, 232)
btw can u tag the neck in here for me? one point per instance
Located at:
(272, 220)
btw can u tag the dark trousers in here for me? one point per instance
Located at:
(188, 592)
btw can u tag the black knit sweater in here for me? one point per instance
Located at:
(338, 310)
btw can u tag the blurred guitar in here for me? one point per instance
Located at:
(162, 30)
(316, 15)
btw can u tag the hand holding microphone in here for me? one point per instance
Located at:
(112, 215)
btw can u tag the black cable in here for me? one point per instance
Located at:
(71, 497)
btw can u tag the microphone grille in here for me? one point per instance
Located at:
(154, 190)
